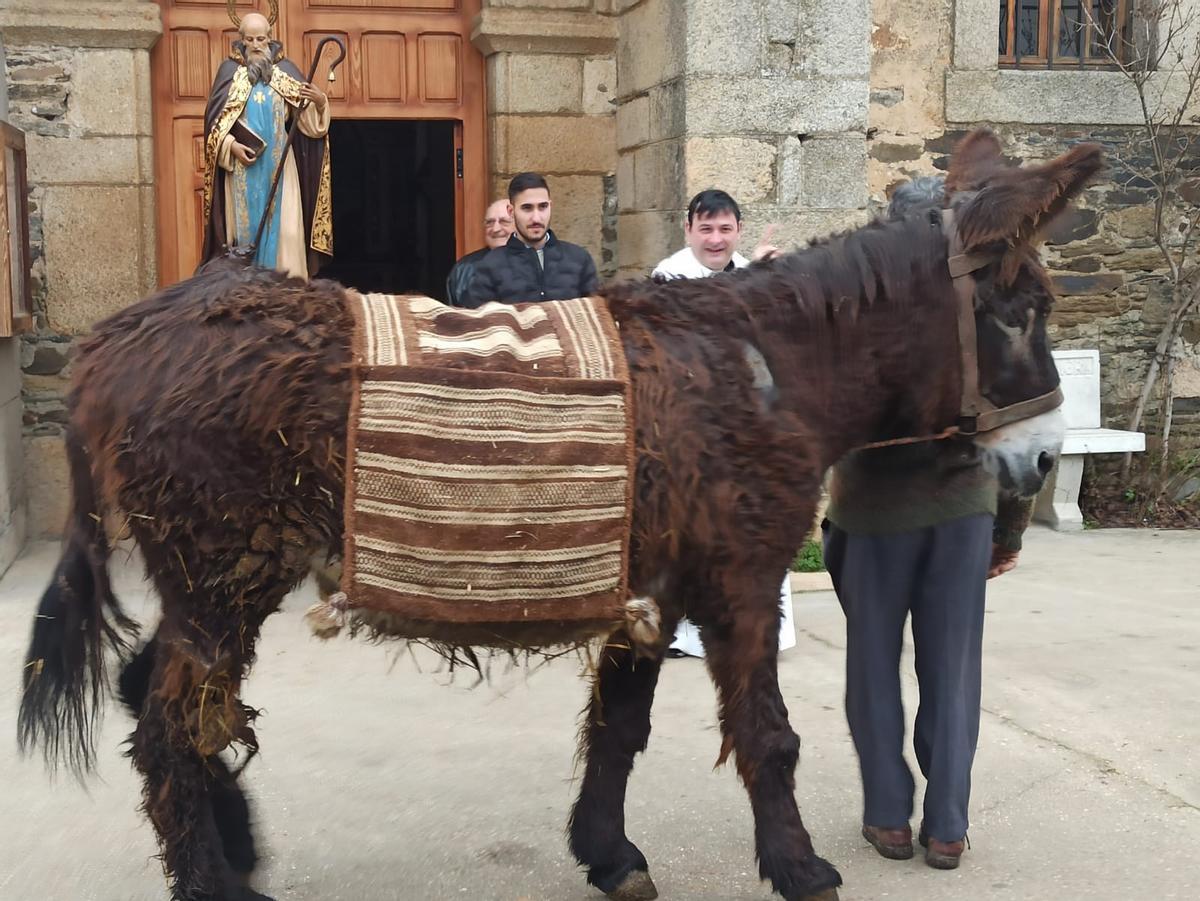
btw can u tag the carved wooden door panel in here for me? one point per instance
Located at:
(407, 59)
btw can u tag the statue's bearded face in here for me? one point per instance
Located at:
(256, 36)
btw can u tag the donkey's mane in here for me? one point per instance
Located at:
(897, 262)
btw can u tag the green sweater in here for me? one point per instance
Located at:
(908, 487)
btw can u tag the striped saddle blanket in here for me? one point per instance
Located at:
(489, 464)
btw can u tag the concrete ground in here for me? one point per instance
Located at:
(379, 780)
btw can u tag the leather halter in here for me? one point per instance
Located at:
(976, 413)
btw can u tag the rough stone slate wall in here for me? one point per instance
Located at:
(39, 84)
(86, 116)
(1109, 280)
(13, 505)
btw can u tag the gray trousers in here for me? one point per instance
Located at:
(938, 574)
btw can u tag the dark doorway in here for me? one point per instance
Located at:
(393, 205)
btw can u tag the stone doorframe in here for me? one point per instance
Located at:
(551, 84)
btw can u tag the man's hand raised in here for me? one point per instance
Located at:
(765, 249)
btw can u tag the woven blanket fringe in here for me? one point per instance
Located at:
(328, 616)
(642, 624)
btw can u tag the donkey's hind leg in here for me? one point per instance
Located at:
(230, 808)
(617, 728)
(191, 713)
(741, 648)
(215, 600)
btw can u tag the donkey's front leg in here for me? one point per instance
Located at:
(617, 729)
(741, 648)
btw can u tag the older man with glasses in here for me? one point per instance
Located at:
(497, 227)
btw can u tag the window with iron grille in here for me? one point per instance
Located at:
(1061, 34)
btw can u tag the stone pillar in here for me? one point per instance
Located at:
(651, 131)
(911, 45)
(1058, 503)
(766, 99)
(551, 79)
(78, 77)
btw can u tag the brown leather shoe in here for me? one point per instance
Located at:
(894, 844)
(941, 855)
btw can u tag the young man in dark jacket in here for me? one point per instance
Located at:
(534, 265)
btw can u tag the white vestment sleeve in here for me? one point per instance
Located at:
(314, 124)
(224, 155)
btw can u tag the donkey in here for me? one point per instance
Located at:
(224, 444)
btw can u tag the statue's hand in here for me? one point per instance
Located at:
(243, 154)
(313, 95)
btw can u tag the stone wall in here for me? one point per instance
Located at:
(651, 131)
(551, 80)
(766, 99)
(1106, 269)
(13, 507)
(807, 111)
(78, 79)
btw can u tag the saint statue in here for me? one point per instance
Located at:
(256, 93)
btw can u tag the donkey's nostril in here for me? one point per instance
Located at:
(1045, 462)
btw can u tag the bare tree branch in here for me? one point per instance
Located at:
(1161, 63)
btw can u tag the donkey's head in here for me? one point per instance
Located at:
(998, 211)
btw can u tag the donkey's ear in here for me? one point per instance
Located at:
(976, 155)
(1012, 207)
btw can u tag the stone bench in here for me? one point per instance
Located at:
(1058, 503)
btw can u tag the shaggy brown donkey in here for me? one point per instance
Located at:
(213, 416)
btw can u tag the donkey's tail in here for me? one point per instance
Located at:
(64, 675)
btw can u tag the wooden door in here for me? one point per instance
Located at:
(406, 59)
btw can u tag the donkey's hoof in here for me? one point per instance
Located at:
(829, 894)
(637, 886)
